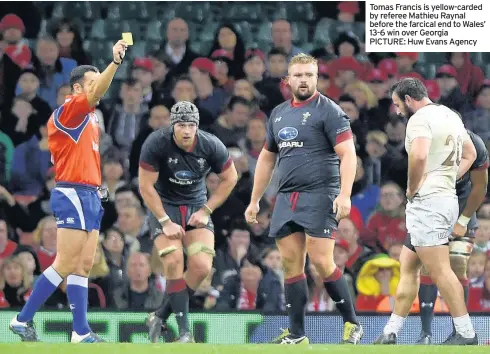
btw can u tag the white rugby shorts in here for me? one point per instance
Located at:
(430, 220)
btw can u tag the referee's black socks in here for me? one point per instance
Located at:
(338, 290)
(296, 291)
(179, 300)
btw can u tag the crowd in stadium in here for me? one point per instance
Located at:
(235, 88)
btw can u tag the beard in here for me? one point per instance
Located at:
(303, 96)
(409, 112)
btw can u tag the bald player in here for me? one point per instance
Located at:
(471, 190)
(439, 149)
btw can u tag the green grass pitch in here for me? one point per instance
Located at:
(117, 348)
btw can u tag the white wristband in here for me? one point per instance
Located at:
(164, 219)
(463, 220)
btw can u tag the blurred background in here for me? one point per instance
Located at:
(230, 59)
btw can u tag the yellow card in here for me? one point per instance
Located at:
(128, 38)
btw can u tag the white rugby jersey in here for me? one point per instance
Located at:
(447, 133)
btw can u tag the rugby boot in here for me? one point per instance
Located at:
(157, 328)
(458, 339)
(185, 338)
(352, 333)
(425, 339)
(25, 330)
(389, 338)
(91, 337)
(287, 338)
(451, 335)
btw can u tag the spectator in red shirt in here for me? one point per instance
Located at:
(357, 253)
(12, 30)
(479, 298)
(395, 250)
(45, 235)
(387, 225)
(390, 67)
(343, 71)
(470, 77)
(347, 11)
(405, 63)
(318, 299)
(7, 247)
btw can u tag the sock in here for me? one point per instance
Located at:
(464, 326)
(338, 290)
(394, 325)
(179, 300)
(296, 291)
(466, 290)
(190, 291)
(165, 309)
(427, 299)
(44, 287)
(77, 292)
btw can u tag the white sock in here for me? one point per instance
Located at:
(464, 326)
(394, 325)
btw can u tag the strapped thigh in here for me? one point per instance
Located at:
(459, 254)
(167, 250)
(197, 247)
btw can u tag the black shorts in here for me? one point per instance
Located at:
(308, 212)
(179, 214)
(408, 241)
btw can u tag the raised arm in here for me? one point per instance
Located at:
(101, 84)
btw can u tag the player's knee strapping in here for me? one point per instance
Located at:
(167, 250)
(197, 247)
(459, 253)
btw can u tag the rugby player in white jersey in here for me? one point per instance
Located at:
(439, 152)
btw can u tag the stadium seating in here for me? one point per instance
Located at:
(76, 9)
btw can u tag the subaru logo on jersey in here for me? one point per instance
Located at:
(184, 178)
(288, 133)
(184, 175)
